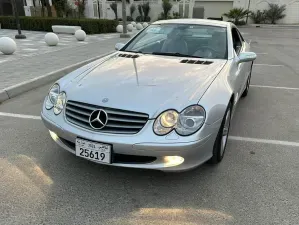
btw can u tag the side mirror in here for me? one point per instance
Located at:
(246, 57)
(118, 46)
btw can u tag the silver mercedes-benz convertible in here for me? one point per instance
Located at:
(164, 100)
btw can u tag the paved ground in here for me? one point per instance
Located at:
(34, 58)
(34, 43)
(257, 182)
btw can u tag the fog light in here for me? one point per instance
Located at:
(173, 160)
(54, 135)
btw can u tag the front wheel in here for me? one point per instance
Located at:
(222, 137)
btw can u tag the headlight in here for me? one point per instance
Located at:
(187, 122)
(165, 122)
(55, 99)
(190, 120)
(52, 97)
(60, 102)
(53, 93)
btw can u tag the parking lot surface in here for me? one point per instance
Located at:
(256, 183)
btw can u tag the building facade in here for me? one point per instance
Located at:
(194, 8)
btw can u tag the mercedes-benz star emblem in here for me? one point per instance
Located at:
(98, 119)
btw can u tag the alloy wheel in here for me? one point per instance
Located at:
(225, 132)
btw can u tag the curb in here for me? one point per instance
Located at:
(274, 25)
(15, 90)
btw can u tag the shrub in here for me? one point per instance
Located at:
(237, 14)
(215, 18)
(132, 9)
(166, 5)
(258, 16)
(129, 18)
(176, 15)
(90, 26)
(239, 23)
(113, 6)
(139, 19)
(275, 12)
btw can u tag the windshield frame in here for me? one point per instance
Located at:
(123, 49)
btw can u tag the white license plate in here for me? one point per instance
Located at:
(93, 150)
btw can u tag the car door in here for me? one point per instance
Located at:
(241, 75)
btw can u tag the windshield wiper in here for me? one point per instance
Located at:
(175, 54)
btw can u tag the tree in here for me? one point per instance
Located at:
(258, 16)
(166, 5)
(114, 8)
(237, 14)
(275, 12)
(49, 10)
(60, 7)
(81, 7)
(132, 9)
(146, 9)
(140, 11)
(42, 3)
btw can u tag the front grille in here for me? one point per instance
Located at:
(119, 121)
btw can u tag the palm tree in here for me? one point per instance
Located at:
(275, 12)
(237, 14)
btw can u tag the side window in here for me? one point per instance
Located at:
(240, 35)
(237, 42)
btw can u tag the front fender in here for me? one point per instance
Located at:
(218, 95)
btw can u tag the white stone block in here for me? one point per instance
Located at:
(63, 29)
(145, 24)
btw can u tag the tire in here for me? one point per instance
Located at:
(220, 145)
(245, 92)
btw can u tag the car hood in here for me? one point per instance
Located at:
(148, 83)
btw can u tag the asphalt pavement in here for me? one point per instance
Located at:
(256, 183)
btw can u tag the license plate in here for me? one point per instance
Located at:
(93, 150)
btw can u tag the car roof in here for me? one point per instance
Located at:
(195, 21)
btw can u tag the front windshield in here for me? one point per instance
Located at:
(181, 40)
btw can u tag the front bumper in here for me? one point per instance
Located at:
(195, 149)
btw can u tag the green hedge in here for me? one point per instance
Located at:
(90, 26)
